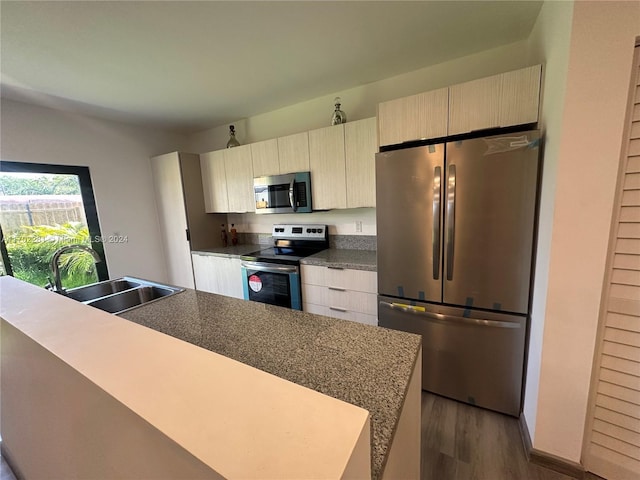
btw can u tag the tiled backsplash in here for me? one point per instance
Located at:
(254, 238)
(346, 242)
(353, 242)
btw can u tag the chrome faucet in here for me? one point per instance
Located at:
(55, 268)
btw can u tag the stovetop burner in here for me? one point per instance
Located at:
(292, 243)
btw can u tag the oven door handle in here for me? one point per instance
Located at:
(269, 267)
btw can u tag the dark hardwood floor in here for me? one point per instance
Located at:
(461, 442)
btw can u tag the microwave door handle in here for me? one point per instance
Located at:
(292, 195)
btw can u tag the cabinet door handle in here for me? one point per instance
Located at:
(338, 309)
(188, 235)
(337, 289)
(335, 268)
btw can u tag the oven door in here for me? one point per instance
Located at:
(272, 283)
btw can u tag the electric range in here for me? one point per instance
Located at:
(272, 275)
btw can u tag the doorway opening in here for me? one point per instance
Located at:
(42, 209)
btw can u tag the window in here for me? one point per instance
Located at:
(43, 208)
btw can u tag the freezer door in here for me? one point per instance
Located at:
(489, 221)
(470, 356)
(409, 220)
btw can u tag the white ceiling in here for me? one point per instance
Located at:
(193, 65)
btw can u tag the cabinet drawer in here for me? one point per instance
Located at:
(359, 317)
(348, 279)
(358, 280)
(362, 302)
(312, 274)
(313, 308)
(341, 313)
(315, 294)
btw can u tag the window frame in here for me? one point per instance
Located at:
(88, 200)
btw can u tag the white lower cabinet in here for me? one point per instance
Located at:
(217, 274)
(340, 293)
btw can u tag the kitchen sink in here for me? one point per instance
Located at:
(102, 289)
(121, 294)
(122, 301)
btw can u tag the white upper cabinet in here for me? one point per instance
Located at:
(474, 105)
(239, 172)
(361, 145)
(502, 100)
(413, 118)
(341, 158)
(214, 182)
(293, 153)
(265, 158)
(327, 166)
(520, 96)
(498, 101)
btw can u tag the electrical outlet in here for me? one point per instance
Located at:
(358, 226)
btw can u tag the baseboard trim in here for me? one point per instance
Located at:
(548, 460)
(525, 436)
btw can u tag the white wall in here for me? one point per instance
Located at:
(549, 45)
(361, 102)
(118, 158)
(599, 70)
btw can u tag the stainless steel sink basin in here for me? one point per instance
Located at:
(121, 294)
(122, 301)
(102, 289)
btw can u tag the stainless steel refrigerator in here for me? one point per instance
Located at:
(455, 228)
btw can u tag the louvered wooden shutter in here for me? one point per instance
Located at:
(612, 448)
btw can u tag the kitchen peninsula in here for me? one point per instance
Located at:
(326, 399)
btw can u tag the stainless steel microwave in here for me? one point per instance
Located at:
(288, 193)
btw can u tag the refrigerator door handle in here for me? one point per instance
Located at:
(435, 241)
(451, 219)
(438, 317)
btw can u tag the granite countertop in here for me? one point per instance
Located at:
(363, 365)
(335, 257)
(231, 251)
